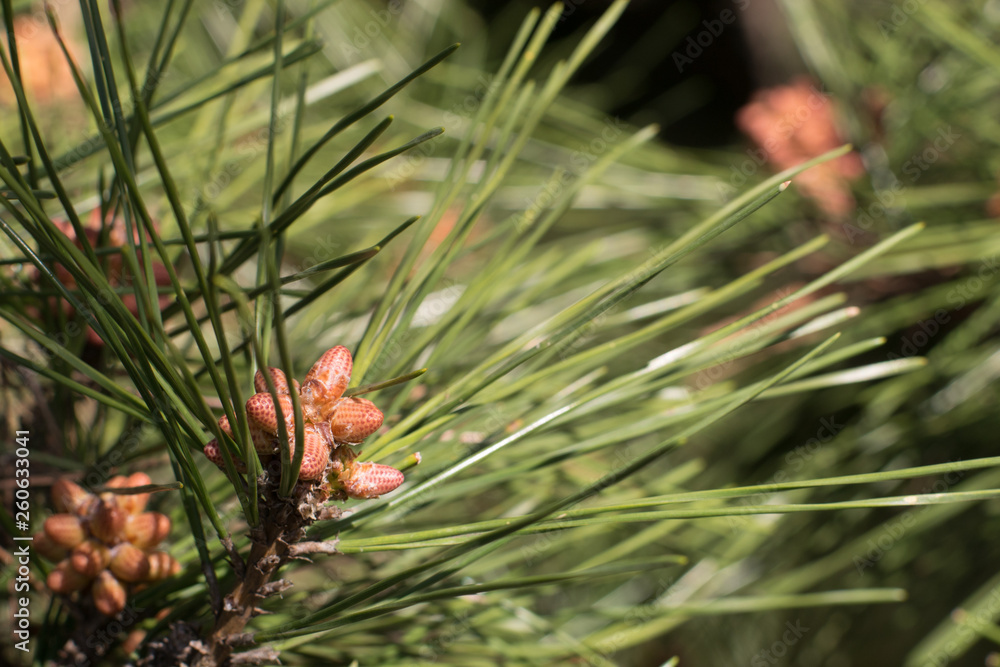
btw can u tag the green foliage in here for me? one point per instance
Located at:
(624, 433)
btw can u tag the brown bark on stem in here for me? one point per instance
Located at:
(282, 525)
(275, 541)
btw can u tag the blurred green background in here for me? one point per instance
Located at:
(913, 86)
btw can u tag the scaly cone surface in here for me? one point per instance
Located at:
(331, 424)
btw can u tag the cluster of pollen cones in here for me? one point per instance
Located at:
(103, 544)
(331, 422)
(794, 123)
(114, 266)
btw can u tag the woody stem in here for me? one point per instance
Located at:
(280, 526)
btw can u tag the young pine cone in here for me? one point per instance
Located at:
(103, 545)
(332, 422)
